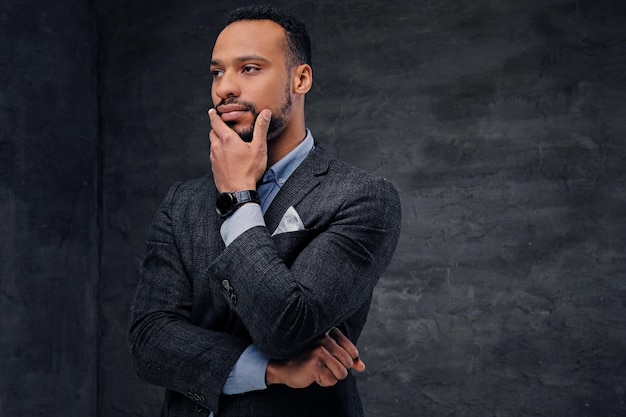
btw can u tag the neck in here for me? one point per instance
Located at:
(287, 141)
(280, 148)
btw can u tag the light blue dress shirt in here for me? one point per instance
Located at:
(248, 373)
(251, 215)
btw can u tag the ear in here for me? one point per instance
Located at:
(302, 79)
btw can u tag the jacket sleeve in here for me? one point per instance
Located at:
(166, 348)
(286, 306)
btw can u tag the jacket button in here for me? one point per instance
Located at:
(196, 397)
(233, 298)
(226, 284)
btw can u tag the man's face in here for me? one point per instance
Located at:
(250, 74)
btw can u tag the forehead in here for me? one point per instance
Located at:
(250, 37)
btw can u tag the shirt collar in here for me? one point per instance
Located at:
(281, 170)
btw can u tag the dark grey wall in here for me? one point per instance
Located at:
(501, 123)
(48, 209)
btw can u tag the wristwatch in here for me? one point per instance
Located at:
(227, 203)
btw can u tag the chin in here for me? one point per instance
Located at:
(244, 133)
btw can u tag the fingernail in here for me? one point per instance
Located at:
(266, 114)
(211, 111)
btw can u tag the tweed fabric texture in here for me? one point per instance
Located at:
(199, 304)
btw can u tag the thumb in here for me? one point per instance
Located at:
(261, 126)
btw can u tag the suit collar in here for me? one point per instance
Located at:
(305, 178)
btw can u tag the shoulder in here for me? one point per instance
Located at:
(345, 178)
(185, 210)
(184, 195)
(194, 186)
(346, 190)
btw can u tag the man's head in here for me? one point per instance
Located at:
(298, 41)
(261, 59)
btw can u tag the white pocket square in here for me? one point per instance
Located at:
(290, 222)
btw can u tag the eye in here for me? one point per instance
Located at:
(250, 69)
(217, 73)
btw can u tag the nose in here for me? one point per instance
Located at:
(226, 85)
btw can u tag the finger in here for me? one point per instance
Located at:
(332, 364)
(326, 378)
(357, 364)
(261, 126)
(217, 124)
(213, 136)
(344, 342)
(337, 351)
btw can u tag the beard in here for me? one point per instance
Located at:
(277, 123)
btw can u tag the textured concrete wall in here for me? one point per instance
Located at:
(48, 208)
(501, 122)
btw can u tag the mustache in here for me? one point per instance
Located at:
(249, 106)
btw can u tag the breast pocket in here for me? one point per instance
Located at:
(290, 244)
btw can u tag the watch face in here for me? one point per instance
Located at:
(224, 204)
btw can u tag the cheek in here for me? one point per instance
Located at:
(214, 97)
(274, 97)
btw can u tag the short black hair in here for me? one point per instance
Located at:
(298, 41)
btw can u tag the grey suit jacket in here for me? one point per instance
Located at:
(199, 305)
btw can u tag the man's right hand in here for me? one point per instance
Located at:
(326, 363)
(238, 165)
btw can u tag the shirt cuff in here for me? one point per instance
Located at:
(248, 374)
(245, 217)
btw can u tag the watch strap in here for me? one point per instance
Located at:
(227, 203)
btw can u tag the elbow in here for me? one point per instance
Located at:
(137, 356)
(140, 356)
(293, 331)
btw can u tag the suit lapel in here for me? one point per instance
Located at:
(305, 178)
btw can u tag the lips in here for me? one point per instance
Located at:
(231, 112)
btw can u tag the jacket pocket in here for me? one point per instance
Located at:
(290, 244)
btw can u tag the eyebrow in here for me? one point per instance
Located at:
(244, 58)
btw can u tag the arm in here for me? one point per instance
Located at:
(332, 356)
(332, 278)
(167, 349)
(285, 307)
(327, 362)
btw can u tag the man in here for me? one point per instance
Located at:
(259, 277)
